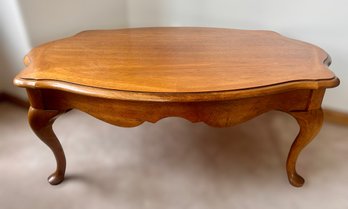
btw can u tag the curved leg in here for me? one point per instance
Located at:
(41, 122)
(310, 123)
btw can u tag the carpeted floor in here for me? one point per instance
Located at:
(172, 164)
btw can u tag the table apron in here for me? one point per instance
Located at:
(214, 113)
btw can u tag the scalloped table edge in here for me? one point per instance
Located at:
(174, 96)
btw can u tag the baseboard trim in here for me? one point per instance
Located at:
(336, 117)
(4, 97)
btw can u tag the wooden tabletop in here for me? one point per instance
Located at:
(167, 61)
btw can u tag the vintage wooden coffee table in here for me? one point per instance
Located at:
(218, 76)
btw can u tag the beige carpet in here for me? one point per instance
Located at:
(172, 164)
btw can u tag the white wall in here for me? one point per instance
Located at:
(317, 21)
(47, 20)
(13, 45)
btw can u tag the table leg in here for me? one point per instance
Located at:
(310, 123)
(41, 122)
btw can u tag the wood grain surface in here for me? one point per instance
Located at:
(175, 60)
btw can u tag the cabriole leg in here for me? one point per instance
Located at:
(310, 123)
(41, 122)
